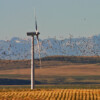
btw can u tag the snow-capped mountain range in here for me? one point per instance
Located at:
(18, 48)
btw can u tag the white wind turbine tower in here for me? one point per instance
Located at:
(32, 34)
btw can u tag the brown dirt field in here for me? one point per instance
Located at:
(61, 70)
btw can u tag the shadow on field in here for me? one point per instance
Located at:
(28, 82)
(16, 82)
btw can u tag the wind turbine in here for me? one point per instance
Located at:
(32, 34)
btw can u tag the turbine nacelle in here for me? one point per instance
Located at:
(33, 33)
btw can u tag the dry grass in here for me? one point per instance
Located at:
(66, 70)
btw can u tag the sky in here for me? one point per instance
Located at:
(55, 18)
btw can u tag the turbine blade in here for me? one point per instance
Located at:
(35, 24)
(39, 49)
(35, 20)
(36, 29)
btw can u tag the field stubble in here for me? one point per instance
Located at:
(50, 94)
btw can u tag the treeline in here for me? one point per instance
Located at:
(74, 59)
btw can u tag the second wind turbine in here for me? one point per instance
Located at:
(32, 34)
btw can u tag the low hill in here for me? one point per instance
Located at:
(74, 59)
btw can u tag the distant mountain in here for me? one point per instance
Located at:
(18, 48)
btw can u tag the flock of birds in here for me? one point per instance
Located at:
(21, 49)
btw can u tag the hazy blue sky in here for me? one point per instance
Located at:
(55, 17)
